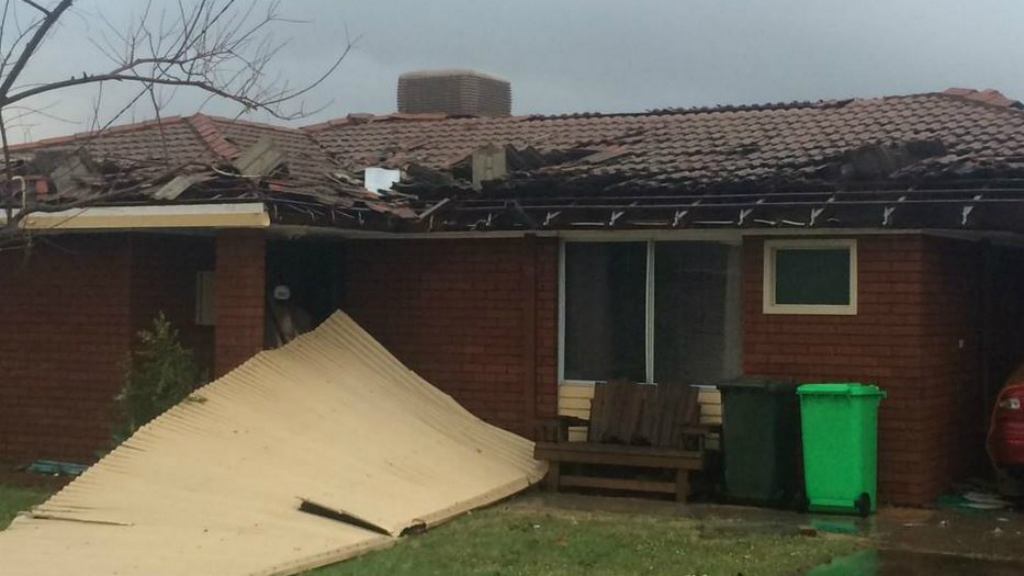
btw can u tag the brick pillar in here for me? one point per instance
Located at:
(239, 300)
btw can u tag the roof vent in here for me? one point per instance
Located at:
(454, 92)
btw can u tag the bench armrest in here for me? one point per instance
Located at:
(556, 429)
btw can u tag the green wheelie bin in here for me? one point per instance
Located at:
(760, 440)
(840, 438)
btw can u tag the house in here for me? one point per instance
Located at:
(518, 259)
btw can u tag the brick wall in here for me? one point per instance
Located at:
(69, 311)
(916, 302)
(164, 274)
(459, 312)
(952, 372)
(240, 265)
(64, 335)
(455, 311)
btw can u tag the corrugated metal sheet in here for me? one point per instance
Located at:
(213, 486)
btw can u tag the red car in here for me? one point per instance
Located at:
(1006, 434)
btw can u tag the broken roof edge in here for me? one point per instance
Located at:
(733, 235)
(208, 131)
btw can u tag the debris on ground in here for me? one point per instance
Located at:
(216, 488)
(56, 468)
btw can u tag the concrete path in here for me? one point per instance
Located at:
(902, 541)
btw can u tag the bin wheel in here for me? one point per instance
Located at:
(863, 505)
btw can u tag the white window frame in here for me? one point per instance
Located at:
(771, 248)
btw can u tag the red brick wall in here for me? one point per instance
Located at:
(164, 274)
(69, 311)
(455, 312)
(64, 335)
(240, 298)
(915, 305)
(952, 374)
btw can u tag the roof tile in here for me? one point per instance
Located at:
(678, 145)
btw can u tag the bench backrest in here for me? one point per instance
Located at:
(641, 414)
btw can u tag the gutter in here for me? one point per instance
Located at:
(724, 235)
(236, 215)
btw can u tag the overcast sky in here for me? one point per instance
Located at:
(604, 55)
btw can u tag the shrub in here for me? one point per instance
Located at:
(159, 373)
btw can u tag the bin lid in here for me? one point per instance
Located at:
(770, 385)
(840, 388)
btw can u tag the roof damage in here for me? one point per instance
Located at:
(931, 160)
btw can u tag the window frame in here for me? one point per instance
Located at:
(206, 293)
(771, 248)
(649, 311)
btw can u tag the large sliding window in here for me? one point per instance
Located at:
(605, 308)
(657, 312)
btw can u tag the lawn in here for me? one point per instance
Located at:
(518, 540)
(506, 540)
(14, 499)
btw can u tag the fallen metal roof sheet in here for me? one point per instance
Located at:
(214, 486)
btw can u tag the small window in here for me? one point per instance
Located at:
(810, 277)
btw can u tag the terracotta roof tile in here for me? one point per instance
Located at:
(664, 146)
(716, 143)
(199, 138)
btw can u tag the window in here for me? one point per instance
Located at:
(605, 307)
(650, 311)
(810, 277)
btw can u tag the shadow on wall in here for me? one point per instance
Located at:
(303, 286)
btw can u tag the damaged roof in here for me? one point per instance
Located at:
(197, 140)
(656, 168)
(678, 148)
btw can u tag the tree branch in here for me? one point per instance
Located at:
(223, 48)
(249, 103)
(37, 7)
(30, 47)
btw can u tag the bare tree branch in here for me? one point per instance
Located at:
(221, 48)
(30, 47)
(37, 6)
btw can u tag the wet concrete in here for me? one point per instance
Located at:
(907, 536)
(996, 535)
(904, 563)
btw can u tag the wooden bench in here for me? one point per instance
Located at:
(630, 426)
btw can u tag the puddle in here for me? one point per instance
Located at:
(899, 563)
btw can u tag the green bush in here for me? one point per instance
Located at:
(159, 373)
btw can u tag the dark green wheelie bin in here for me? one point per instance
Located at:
(761, 441)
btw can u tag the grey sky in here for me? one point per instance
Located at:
(603, 55)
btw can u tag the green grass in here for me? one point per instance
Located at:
(506, 541)
(513, 540)
(14, 499)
